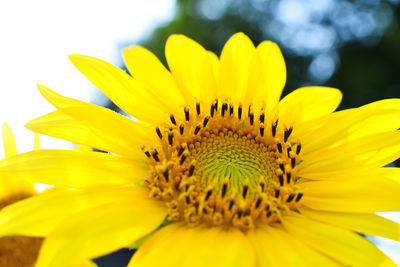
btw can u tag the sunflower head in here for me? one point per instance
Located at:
(214, 169)
(223, 166)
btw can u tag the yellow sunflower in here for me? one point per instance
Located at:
(11, 190)
(214, 170)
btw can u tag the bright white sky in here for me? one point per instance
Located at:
(36, 38)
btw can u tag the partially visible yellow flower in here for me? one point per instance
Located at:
(216, 171)
(16, 250)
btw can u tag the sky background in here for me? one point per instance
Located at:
(37, 37)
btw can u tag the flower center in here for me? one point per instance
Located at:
(223, 168)
(18, 250)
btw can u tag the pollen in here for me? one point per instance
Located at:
(222, 167)
(18, 250)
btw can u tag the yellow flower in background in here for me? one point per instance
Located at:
(16, 250)
(215, 170)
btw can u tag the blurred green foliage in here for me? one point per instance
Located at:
(364, 49)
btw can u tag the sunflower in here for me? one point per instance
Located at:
(12, 190)
(212, 170)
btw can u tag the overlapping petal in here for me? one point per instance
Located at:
(101, 230)
(179, 245)
(74, 168)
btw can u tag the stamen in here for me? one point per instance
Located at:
(290, 198)
(246, 187)
(198, 108)
(197, 129)
(230, 110)
(240, 112)
(224, 109)
(181, 129)
(251, 116)
(299, 196)
(205, 121)
(170, 138)
(287, 134)
(273, 128)
(262, 117)
(158, 131)
(186, 110)
(224, 187)
(172, 118)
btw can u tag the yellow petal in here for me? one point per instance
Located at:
(374, 191)
(96, 127)
(367, 152)
(124, 91)
(275, 247)
(234, 67)
(58, 100)
(73, 168)
(179, 245)
(100, 230)
(340, 244)
(267, 77)
(348, 125)
(37, 216)
(364, 223)
(308, 103)
(145, 67)
(191, 66)
(10, 147)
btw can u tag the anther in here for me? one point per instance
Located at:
(183, 158)
(170, 138)
(155, 156)
(147, 153)
(282, 166)
(166, 175)
(287, 133)
(158, 131)
(224, 108)
(277, 192)
(212, 109)
(224, 187)
(251, 116)
(172, 118)
(231, 203)
(240, 112)
(181, 128)
(186, 110)
(290, 198)
(280, 179)
(293, 162)
(230, 110)
(198, 108)
(258, 202)
(288, 177)
(299, 196)
(269, 213)
(262, 130)
(216, 104)
(273, 128)
(197, 129)
(298, 147)
(288, 151)
(180, 151)
(262, 117)
(205, 121)
(208, 194)
(191, 170)
(246, 188)
(262, 183)
(279, 146)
